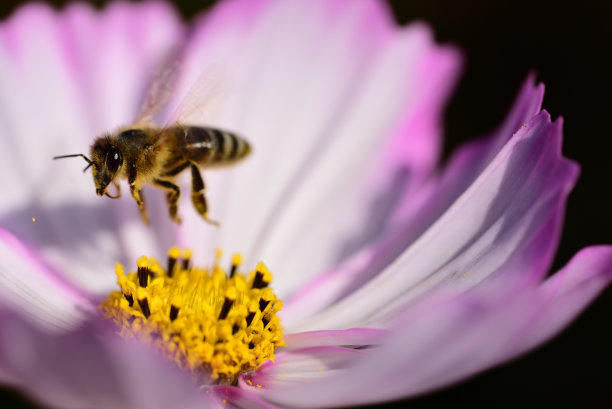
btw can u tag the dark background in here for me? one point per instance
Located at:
(569, 47)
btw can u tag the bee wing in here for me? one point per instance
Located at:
(203, 100)
(161, 88)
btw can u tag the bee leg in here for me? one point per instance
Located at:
(172, 196)
(197, 194)
(177, 169)
(137, 192)
(139, 198)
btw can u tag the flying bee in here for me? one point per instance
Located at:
(145, 154)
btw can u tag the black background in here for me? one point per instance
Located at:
(569, 47)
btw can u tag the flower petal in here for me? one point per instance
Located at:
(300, 366)
(279, 66)
(440, 341)
(90, 367)
(514, 208)
(28, 287)
(428, 205)
(230, 397)
(361, 177)
(281, 56)
(354, 337)
(78, 73)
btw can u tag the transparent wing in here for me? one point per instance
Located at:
(161, 88)
(204, 99)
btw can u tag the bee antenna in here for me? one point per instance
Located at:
(89, 161)
(74, 156)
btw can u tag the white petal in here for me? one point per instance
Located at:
(91, 367)
(448, 337)
(28, 287)
(414, 214)
(315, 87)
(302, 366)
(78, 73)
(518, 198)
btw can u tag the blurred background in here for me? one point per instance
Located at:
(568, 46)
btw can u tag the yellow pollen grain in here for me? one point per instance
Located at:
(210, 324)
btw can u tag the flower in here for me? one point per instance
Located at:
(440, 274)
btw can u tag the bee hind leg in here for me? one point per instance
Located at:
(173, 193)
(197, 194)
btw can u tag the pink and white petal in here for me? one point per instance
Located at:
(525, 250)
(78, 73)
(358, 179)
(281, 56)
(469, 160)
(485, 231)
(220, 42)
(566, 294)
(226, 397)
(300, 366)
(445, 339)
(288, 55)
(27, 287)
(415, 217)
(87, 368)
(353, 337)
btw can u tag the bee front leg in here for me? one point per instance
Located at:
(139, 198)
(137, 194)
(172, 196)
(197, 194)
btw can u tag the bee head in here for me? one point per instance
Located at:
(106, 161)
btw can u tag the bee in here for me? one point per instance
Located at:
(145, 154)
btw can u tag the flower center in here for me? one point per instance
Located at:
(214, 323)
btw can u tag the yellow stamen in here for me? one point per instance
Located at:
(214, 324)
(237, 259)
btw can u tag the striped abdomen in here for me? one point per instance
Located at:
(211, 147)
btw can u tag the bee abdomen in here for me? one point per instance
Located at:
(222, 147)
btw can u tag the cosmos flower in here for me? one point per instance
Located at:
(397, 277)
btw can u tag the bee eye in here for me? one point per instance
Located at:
(113, 159)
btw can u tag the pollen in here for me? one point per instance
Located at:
(213, 323)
